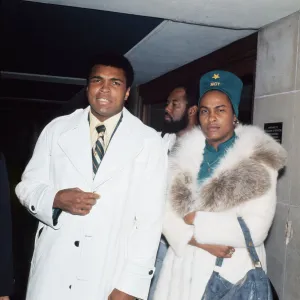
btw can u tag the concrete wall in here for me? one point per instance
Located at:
(277, 99)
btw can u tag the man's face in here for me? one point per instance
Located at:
(107, 91)
(216, 117)
(176, 112)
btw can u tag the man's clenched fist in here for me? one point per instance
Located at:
(75, 201)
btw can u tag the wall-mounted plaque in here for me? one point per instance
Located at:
(274, 130)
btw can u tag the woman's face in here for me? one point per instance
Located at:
(216, 117)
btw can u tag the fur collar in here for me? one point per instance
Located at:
(240, 176)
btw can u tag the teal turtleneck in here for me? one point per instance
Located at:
(212, 157)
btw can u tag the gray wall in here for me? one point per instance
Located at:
(277, 99)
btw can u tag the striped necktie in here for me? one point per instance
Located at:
(98, 149)
(97, 156)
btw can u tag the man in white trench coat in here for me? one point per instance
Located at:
(96, 182)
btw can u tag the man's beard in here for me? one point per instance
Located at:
(171, 126)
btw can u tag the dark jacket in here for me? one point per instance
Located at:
(6, 266)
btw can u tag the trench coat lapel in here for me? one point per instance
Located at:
(75, 142)
(123, 147)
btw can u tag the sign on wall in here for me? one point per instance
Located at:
(274, 130)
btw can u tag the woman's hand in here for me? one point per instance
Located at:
(215, 250)
(219, 251)
(189, 218)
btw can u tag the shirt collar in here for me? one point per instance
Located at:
(222, 147)
(94, 122)
(109, 124)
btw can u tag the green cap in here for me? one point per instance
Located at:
(225, 82)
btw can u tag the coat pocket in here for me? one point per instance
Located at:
(39, 237)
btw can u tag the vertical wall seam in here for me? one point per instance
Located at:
(297, 51)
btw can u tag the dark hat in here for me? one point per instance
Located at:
(225, 82)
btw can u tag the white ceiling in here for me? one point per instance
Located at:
(173, 44)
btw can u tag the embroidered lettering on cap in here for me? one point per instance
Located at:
(215, 84)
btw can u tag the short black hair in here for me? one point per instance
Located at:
(116, 61)
(191, 95)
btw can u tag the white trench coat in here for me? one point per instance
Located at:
(86, 257)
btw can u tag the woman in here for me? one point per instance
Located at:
(217, 173)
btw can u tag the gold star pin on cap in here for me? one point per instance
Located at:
(216, 76)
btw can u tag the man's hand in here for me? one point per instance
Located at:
(215, 250)
(118, 295)
(75, 201)
(4, 298)
(189, 218)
